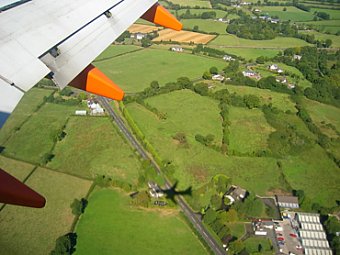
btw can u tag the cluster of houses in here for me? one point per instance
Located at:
(269, 19)
(251, 74)
(228, 58)
(176, 49)
(154, 190)
(95, 109)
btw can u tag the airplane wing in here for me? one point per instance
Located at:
(60, 39)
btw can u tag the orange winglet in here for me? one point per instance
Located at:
(159, 15)
(92, 80)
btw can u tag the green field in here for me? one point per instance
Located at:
(248, 53)
(334, 14)
(316, 174)
(331, 26)
(279, 100)
(134, 72)
(292, 13)
(252, 245)
(277, 43)
(219, 13)
(197, 164)
(321, 36)
(37, 136)
(92, 146)
(110, 225)
(34, 231)
(28, 104)
(249, 130)
(116, 50)
(322, 115)
(192, 3)
(205, 25)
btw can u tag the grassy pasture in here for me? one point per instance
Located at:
(249, 53)
(334, 14)
(28, 104)
(192, 3)
(34, 231)
(36, 137)
(249, 130)
(116, 50)
(134, 72)
(331, 26)
(292, 13)
(198, 164)
(18, 169)
(112, 226)
(252, 245)
(314, 173)
(323, 114)
(96, 149)
(277, 43)
(279, 100)
(219, 13)
(321, 36)
(206, 25)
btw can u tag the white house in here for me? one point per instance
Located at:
(281, 79)
(228, 58)
(273, 67)
(81, 113)
(217, 77)
(177, 49)
(138, 35)
(297, 57)
(95, 108)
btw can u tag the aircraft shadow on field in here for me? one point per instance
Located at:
(172, 192)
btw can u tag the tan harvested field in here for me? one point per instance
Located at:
(183, 36)
(135, 28)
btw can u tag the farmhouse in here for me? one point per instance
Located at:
(251, 74)
(81, 113)
(228, 58)
(217, 77)
(176, 49)
(291, 86)
(154, 190)
(287, 201)
(274, 67)
(297, 57)
(95, 108)
(235, 193)
(138, 35)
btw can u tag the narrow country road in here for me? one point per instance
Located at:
(215, 247)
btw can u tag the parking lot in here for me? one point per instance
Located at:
(286, 238)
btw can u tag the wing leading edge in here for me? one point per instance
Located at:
(61, 39)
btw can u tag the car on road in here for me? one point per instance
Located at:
(280, 238)
(293, 235)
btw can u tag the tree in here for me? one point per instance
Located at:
(146, 42)
(154, 85)
(260, 60)
(65, 244)
(78, 206)
(210, 216)
(206, 75)
(231, 215)
(124, 35)
(328, 43)
(215, 202)
(195, 28)
(213, 70)
(201, 88)
(251, 101)
(284, 9)
(67, 91)
(82, 96)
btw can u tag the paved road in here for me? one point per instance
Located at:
(215, 247)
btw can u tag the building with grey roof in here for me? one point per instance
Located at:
(287, 201)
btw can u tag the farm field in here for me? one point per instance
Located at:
(246, 124)
(249, 53)
(334, 14)
(112, 226)
(28, 104)
(321, 36)
(206, 25)
(219, 13)
(192, 3)
(96, 150)
(279, 100)
(277, 43)
(34, 231)
(37, 136)
(292, 13)
(313, 168)
(323, 114)
(252, 245)
(331, 26)
(197, 164)
(183, 36)
(134, 28)
(116, 50)
(134, 72)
